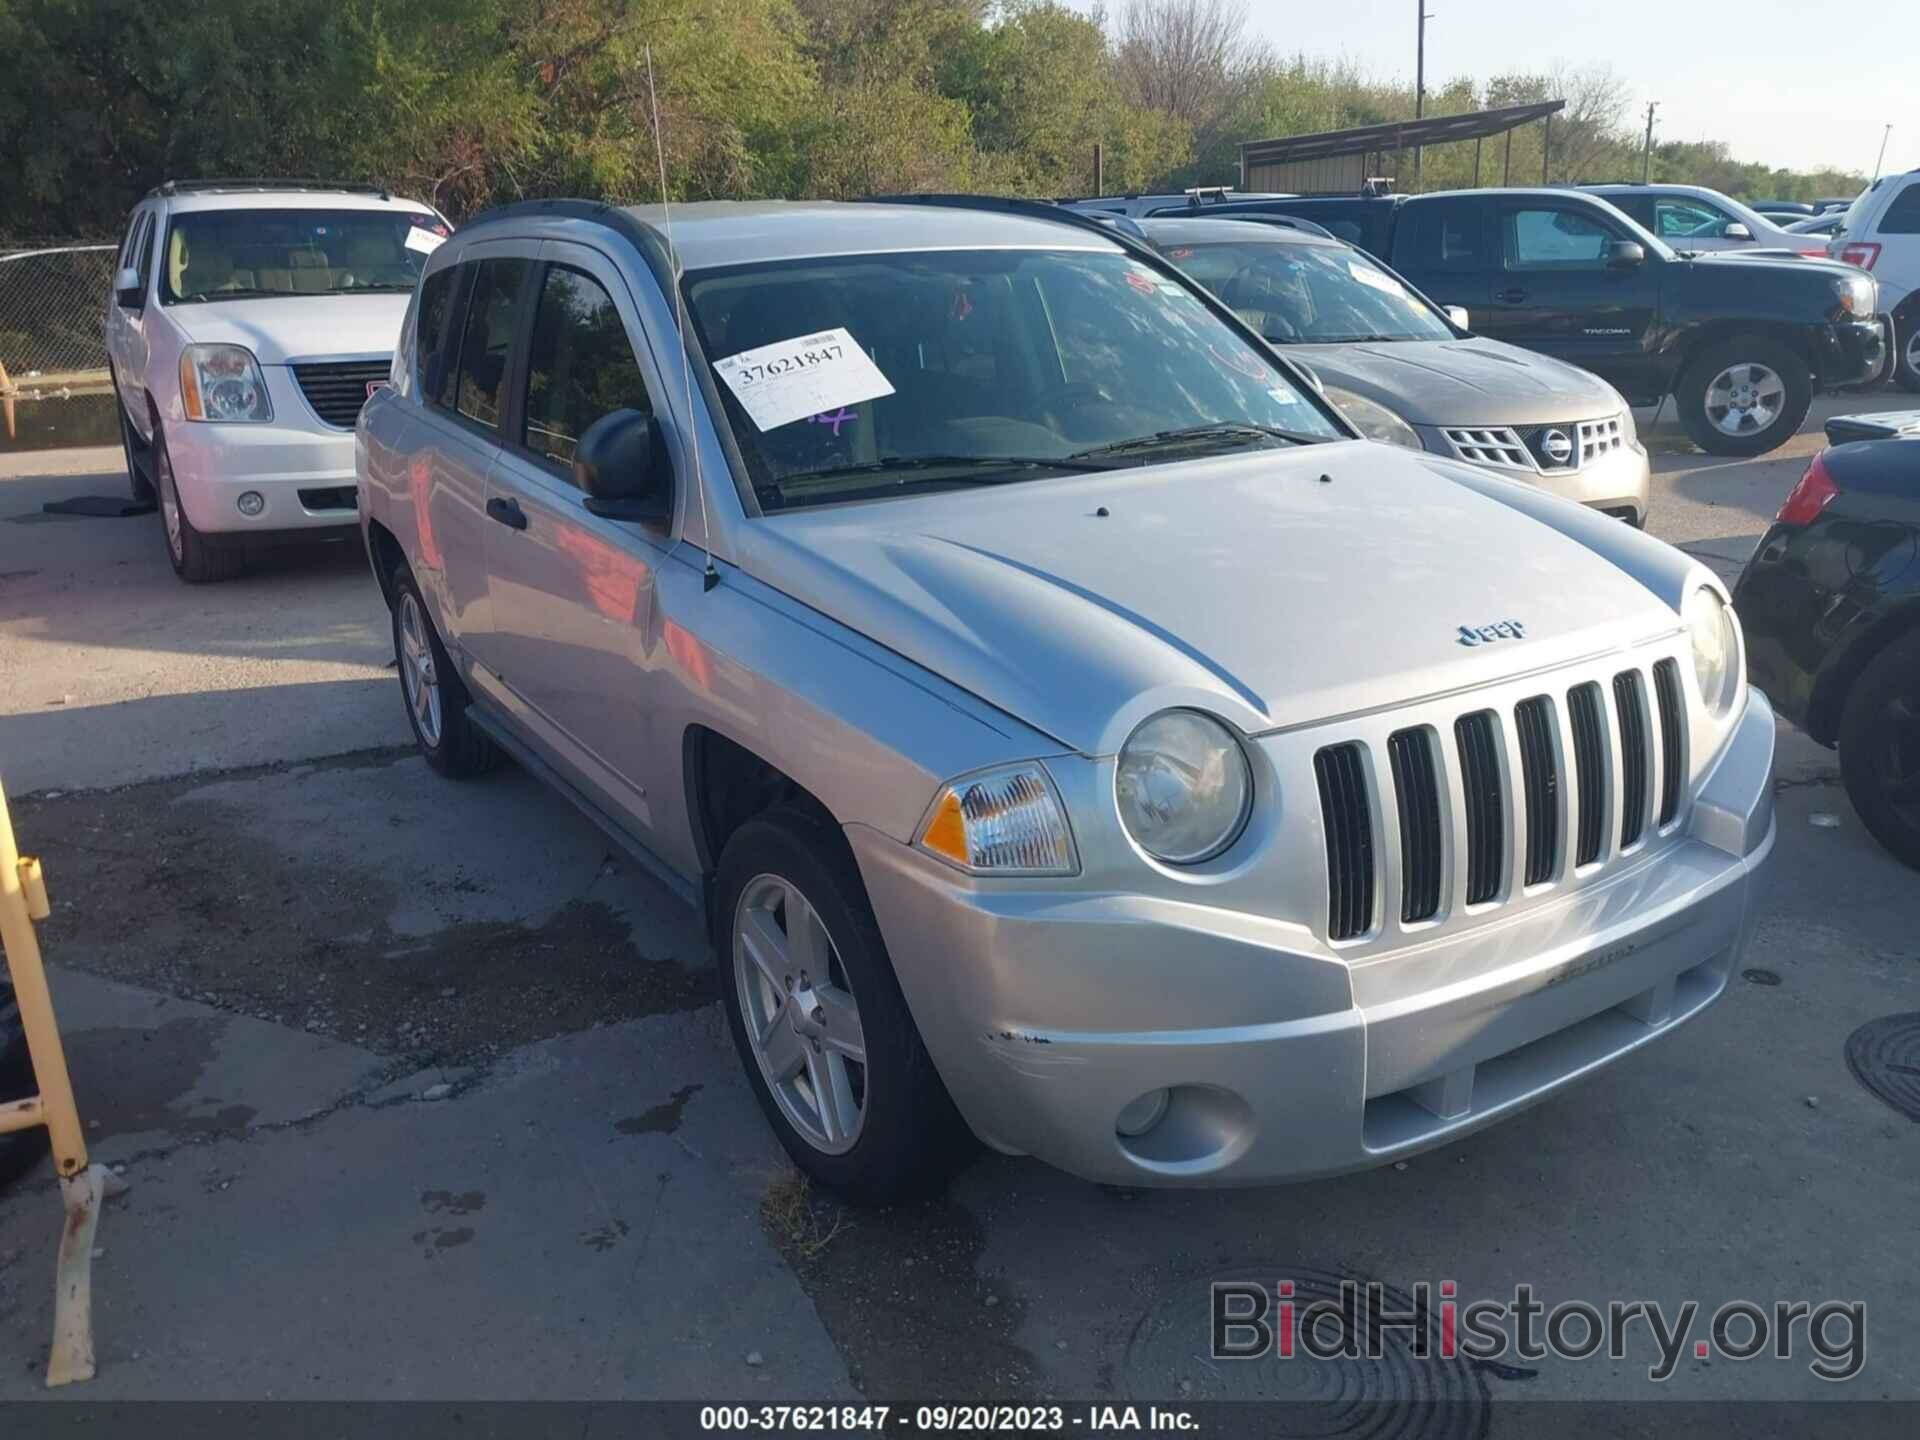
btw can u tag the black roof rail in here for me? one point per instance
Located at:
(264, 182)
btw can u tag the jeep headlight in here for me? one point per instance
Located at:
(1007, 821)
(1184, 787)
(223, 382)
(1716, 648)
(1859, 295)
(1373, 420)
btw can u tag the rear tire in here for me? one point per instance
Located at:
(436, 699)
(195, 558)
(894, 1133)
(1744, 396)
(1906, 350)
(1880, 748)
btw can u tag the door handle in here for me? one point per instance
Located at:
(507, 511)
(1514, 296)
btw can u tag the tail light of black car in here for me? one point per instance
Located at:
(1812, 495)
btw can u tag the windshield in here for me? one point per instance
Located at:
(250, 254)
(1294, 293)
(861, 377)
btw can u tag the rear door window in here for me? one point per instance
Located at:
(1902, 217)
(478, 375)
(1448, 237)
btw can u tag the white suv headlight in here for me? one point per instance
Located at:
(1001, 822)
(1184, 787)
(1715, 634)
(224, 383)
(1373, 420)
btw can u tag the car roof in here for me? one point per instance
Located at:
(1162, 230)
(712, 233)
(316, 199)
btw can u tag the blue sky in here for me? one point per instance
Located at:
(1783, 82)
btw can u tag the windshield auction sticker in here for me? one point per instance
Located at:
(423, 240)
(809, 375)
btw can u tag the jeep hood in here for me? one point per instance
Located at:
(298, 327)
(1463, 382)
(1274, 588)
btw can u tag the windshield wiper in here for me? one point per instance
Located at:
(952, 462)
(1199, 434)
(240, 294)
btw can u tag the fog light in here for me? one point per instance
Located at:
(251, 503)
(1143, 1114)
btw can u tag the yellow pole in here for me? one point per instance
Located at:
(23, 899)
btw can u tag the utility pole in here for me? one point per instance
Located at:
(1646, 158)
(1419, 78)
(1882, 158)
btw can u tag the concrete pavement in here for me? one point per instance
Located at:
(596, 1209)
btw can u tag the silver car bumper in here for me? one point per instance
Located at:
(1049, 1013)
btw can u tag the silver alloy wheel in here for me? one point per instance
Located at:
(169, 504)
(418, 677)
(799, 1013)
(1745, 399)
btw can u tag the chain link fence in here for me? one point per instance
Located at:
(53, 302)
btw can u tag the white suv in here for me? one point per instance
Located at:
(249, 321)
(1881, 233)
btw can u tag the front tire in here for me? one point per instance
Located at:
(1744, 396)
(436, 700)
(816, 1012)
(195, 558)
(1880, 748)
(1906, 350)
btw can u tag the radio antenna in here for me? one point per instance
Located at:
(710, 577)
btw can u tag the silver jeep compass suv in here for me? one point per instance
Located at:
(1076, 736)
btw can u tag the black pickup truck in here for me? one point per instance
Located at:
(1743, 342)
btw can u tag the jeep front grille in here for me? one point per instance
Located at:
(1630, 704)
(1540, 777)
(1349, 825)
(1673, 737)
(336, 389)
(1536, 791)
(1486, 806)
(1416, 787)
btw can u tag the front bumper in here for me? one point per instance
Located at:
(1047, 1014)
(1853, 352)
(1619, 482)
(301, 467)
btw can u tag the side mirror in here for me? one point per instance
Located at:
(127, 288)
(1626, 255)
(1458, 315)
(621, 463)
(1736, 231)
(1311, 376)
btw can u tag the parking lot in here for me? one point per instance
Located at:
(425, 1092)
